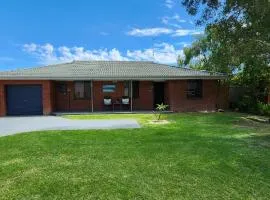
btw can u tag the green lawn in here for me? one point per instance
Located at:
(143, 119)
(196, 156)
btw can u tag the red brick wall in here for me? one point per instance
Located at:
(2, 100)
(46, 95)
(223, 96)
(175, 96)
(99, 95)
(267, 99)
(67, 102)
(145, 100)
(178, 101)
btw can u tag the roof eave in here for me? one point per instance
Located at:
(222, 77)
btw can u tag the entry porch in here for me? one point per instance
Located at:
(107, 96)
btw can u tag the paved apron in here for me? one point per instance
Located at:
(13, 125)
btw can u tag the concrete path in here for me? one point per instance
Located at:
(13, 125)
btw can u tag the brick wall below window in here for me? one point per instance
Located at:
(178, 101)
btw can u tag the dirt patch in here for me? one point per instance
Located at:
(158, 122)
(257, 134)
(247, 123)
(259, 119)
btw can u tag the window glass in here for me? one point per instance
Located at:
(109, 88)
(87, 89)
(61, 88)
(82, 89)
(126, 88)
(194, 89)
(135, 89)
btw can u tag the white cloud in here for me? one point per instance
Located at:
(30, 47)
(183, 44)
(174, 20)
(163, 31)
(185, 32)
(161, 53)
(48, 54)
(45, 52)
(149, 32)
(169, 3)
(191, 22)
(177, 18)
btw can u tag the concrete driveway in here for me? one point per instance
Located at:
(13, 125)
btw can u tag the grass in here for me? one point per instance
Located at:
(141, 118)
(197, 156)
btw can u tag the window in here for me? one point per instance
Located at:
(126, 88)
(194, 89)
(82, 89)
(61, 88)
(109, 88)
(135, 89)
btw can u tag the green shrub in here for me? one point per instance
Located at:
(249, 105)
(263, 109)
(160, 109)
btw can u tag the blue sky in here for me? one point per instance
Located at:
(46, 32)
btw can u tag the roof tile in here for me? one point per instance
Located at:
(101, 70)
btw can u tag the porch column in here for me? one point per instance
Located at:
(92, 97)
(131, 96)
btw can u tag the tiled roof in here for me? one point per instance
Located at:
(108, 70)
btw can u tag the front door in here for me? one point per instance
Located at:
(158, 93)
(62, 97)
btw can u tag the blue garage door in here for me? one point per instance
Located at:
(24, 100)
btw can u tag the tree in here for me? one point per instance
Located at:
(236, 41)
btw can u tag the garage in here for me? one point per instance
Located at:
(24, 99)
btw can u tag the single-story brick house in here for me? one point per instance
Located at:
(83, 86)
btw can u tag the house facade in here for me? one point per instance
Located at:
(82, 86)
